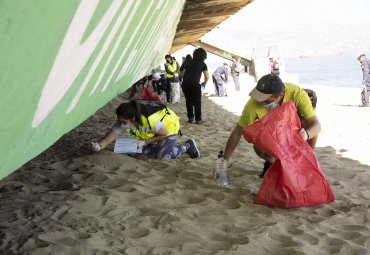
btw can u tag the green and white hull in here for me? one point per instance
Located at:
(60, 61)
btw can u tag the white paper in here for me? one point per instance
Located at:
(127, 145)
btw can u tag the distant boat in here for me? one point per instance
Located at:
(313, 55)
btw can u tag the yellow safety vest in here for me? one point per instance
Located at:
(145, 131)
(173, 69)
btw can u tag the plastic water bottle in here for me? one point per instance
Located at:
(220, 172)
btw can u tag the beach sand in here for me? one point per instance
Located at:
(69, 200)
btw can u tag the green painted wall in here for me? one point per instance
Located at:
(60, 61)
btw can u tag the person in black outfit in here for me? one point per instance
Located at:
(184, 62)
(191, 86)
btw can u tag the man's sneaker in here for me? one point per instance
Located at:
(199, 122)
(191, 120)
(193, 149)
(266, 166)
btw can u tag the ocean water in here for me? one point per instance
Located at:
(337, 71)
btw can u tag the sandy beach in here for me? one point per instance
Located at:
(69, 200)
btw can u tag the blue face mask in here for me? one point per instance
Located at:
(270, 105)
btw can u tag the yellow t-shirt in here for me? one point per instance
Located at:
(254, 110)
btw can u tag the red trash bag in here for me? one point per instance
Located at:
(149, 95)
(295, 179)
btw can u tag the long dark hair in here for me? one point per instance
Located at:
(187, 58)
(130, 111)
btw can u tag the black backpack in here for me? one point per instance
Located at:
(150, 107)
(312, 95)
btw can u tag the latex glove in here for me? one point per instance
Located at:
(220, 171)
(304, 134)
(95, 146)
(141, 144)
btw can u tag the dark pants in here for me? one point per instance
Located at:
(168, 89)
(216, 86)
(365, 93)
(155, 86)
(160, 85)
(193, 97)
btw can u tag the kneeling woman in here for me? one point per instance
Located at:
(154, 126)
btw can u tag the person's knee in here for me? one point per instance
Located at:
(263, 154)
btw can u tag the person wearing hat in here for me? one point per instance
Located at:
(365, 66)
(271, 92)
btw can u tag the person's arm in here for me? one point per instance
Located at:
(160, 135)
(206, 76)
(310, 130)
(110, 137)
(167, 69)
(183, 73)
(233, 141)
(313, 127)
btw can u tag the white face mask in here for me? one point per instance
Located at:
(270, 105)
(127, 126)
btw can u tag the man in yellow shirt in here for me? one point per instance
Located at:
(269, 93)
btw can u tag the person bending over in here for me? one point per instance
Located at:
(154, 125)
(220, 77)
(269, 93)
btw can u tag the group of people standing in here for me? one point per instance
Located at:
(220, 76)
(188, 76)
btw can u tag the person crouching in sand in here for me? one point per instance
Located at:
(154, 125)
(269, 93)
